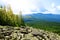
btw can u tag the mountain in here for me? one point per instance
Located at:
(40, 16)
(49, 22)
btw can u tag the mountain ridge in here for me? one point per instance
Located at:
(47, 17)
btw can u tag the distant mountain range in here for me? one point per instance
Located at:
(40, 16)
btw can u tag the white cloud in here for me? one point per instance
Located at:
(51, 8)
(58, 7)
(27, 6)
(54, 9)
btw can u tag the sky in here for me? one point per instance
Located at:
(33, 6)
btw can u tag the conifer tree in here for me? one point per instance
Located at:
(8, 18)
(21, 19)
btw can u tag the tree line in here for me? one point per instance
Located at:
(8, 18)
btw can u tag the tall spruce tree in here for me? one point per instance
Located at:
(21, 19)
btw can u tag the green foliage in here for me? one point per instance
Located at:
(8, 18)
(45, 25)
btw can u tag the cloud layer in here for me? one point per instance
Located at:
(34, 6)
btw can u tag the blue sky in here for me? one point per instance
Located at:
(33, 6)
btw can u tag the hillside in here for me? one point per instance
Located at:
(26, 33)
(32, 27)
(49, 22)
(47, 17)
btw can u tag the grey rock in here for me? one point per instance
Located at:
(26, 33)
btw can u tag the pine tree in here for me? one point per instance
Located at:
(8, 18)
(21, 19)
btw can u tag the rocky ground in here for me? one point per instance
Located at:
(26, 33)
